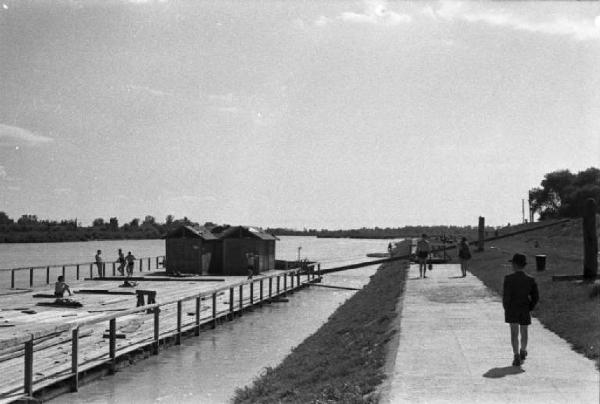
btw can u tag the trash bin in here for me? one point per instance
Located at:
(540, 262)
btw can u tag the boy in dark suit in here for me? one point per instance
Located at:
(519, 298)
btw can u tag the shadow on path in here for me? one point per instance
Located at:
(496, 373)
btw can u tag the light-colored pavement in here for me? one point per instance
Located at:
(454, 347)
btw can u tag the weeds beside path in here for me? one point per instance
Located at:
(343, 361)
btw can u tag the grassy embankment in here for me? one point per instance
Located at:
(343, 361)
(565, 307)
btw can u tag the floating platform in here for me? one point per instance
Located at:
(42, 345)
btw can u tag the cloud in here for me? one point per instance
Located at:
(580, 29)
(13, 136)
(375, 12)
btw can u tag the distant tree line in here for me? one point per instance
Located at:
(448, 233)
(562, 193)
(29, 229)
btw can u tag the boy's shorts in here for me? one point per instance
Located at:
(517, 316)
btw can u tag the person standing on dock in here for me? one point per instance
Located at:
(464, 255)
(130, 258)
(99, 263)
(519, 297)
(121, 261)
(423, 250)
(250, 262)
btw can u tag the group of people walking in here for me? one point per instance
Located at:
(126, 263)
(423, 253)
(520, 293)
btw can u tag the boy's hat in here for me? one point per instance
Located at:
(519, 259)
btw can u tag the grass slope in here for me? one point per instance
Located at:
(566, 307)
(343, 361)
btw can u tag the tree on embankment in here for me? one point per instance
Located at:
(562, 194)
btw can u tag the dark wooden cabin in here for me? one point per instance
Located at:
(190, 250)
(234, 243)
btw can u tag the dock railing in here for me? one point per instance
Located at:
(69, 271)
(269, 288)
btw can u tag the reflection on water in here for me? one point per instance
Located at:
(208, 368)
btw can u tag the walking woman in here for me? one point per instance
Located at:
(464, 255)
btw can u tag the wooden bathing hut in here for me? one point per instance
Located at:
(189, 250)
(235, 244)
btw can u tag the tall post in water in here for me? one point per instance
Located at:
(590, 240)
(480, 233)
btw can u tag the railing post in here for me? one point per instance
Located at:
(77, 271)
(251, 293)
(270, 288)
(241, 299)
(114, 269)
(112, 344)
(75, 359)
(141, 267)
(156, 262)
(277, 285)
(284, 283)
(178, 336)
(260, 294)
(12, 278)
(149, 264)
(64, 272)
(156, 330)
(47, 275)
(31, 277)
(231, 311)
(214, 310)
(298, 279)
(197, 330)
(319, 271)
(28, 380)
(91, 271)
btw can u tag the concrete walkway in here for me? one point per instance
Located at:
(454, 347)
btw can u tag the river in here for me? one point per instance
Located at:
(208, 368)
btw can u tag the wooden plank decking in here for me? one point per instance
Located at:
(52, 327)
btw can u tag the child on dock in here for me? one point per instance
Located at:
(99, 263)
(60, 287)
(130, 263)
(121, 261)
(423, 250)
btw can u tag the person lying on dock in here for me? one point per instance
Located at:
(60, 287)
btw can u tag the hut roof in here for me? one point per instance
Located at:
(242, 231)
(191, 232)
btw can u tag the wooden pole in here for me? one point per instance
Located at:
(214, 310)
(270, 288)
(480, 233)
(178, 335)
(77, 271)
(91, 271)
(260, 293)
(75, 359)
(149, 263)
(31, 277)
(156, 330)
(241, 300)
(590, 241)
(112, 344)
(197, 330)
(231, 311)
(251, 293)
(64, 273)
(12, 278)
(114, 269)
(28, 381)
(47, 275)
(141, 266)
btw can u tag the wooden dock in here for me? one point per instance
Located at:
(42, 346)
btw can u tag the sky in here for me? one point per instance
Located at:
(301, 114)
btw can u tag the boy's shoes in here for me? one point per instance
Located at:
(522, 354)
(517, 360)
